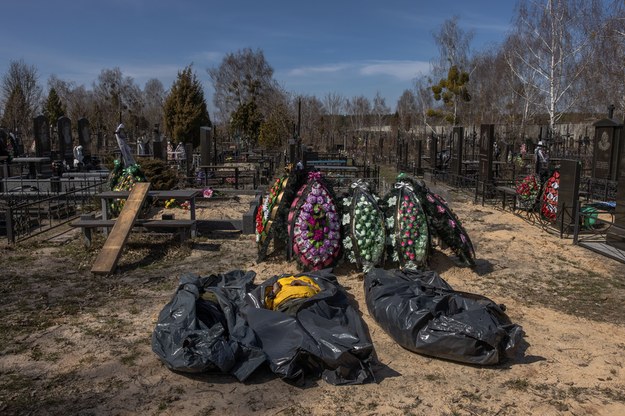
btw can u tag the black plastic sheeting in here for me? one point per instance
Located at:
(218, 323)
(422, 313)
(200, 329)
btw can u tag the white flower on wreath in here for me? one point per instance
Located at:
(347, 243)
(390, 222)
(392, 200)
(346, 219)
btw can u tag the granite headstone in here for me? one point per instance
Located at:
(42, 136)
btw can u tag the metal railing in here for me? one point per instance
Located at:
(26, 218)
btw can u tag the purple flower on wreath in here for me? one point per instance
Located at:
(311, 199)
(452, 223)
(307, 207)
(429, 197)
(318, 235)
(440, 209)
(311, 221)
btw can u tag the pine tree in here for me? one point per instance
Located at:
(54, 108)
(246, 122)
(276, 129)
(14, 109)
(185, 109)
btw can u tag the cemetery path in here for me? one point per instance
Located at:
(71, 343)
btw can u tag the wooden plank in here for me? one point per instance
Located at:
(109, 255)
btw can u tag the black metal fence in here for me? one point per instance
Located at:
(32, 213)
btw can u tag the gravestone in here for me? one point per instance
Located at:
(607, 144)
(619, 213)
(158, 149)
(419, 151)
(84, 137)
(433, 151)
(487, 141)
(66, 144)
(457, 139)
(206, 139)
(568, 191)
(42, 136)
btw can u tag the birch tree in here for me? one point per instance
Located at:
(552, 42)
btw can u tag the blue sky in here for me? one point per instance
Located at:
(315, 47)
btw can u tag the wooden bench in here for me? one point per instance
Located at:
(184, 228)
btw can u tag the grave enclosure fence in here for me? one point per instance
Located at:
(34, 213)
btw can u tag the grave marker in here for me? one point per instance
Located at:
(42, 136)
(433, 151)
(605, 161)
(487, 140)
(568, 191)
(457, 139)
(66, 144)
(613, 239)
(84, 137)
(206, 139)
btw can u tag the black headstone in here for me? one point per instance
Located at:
(159, 149)
(433, 151)
(487, 140)
(606, 149)
(66, 143)
(568, 191)
(419, 151)
(42, 136)
(457, 139)
(84, 136)
(619, 213)
(206, 145)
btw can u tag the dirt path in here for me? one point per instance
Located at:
(75, 344)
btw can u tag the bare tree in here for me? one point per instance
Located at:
(359, 110)
(154, 98)
(20, 84)
(380, 112)
(424, 101)
(603, 82)
(118, 98)
(312, 113)
(552, 41)
(334, 106)
(453, 46)
(241, 77)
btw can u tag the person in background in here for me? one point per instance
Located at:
(542, 161)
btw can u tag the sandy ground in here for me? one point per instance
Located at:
(77, 344)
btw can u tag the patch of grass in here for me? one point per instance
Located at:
(207, 411)
(130, 359)
(15, 387)
(520, 384)
(433, 377)
(474, 397)
(612, 394)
